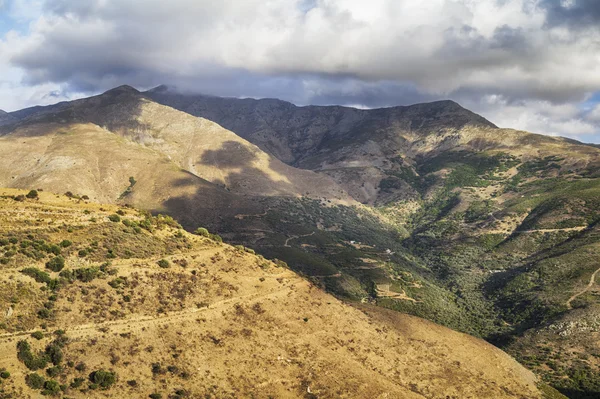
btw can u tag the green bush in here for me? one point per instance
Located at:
(37, 275)
(65, 243)
(51, 388)
(37, 335)
(216, 238)
(53, 371)
(155, 395)
(114, 218)
(201, 231)
(56, 264)
(77, 382)
(104, 379)
(163, 263)
(32, 362)
(4, 374)
(34, 381)
(32, 194)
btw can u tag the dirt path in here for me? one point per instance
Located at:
(586, 289)
(578, 228)
(140, 320)
(296, 237)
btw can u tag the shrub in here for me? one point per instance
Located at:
(34, 381)
(201, 231)
(77, 382)
(32, 194)
(155, 395)
(163, 263)
(56, 264)
(32, 362)
(4, 374)
(19, 198)
(37, 335)
(44, 313)
(53, 371)
(54, 353)
(51, 388)
(65, 243)
(104, 379)
(114, 218)
(37, 274)
(216, 238)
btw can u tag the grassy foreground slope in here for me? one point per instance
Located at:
(102, 301)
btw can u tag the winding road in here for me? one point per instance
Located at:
(586, 289)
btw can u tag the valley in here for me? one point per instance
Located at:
(428, 210)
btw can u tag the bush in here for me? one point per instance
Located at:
(216, 238)
(155, 395)
(163, 263)
(77, 382)
(37, 275)
(56, 264)
(51, 387)
(4, 374)
(32, 194)
(104, 379)
(53, 371)
(34, 381)
(65, 243)
(54, 353)
(114, 218)
(37, 335)
(32, 362)
(201, 231)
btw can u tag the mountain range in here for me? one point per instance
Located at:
(429, 209)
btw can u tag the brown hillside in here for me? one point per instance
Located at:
(214, 321)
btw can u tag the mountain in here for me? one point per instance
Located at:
(429, 209)
(362, 149)
(6, 118)
(504, 221)
(108, 301)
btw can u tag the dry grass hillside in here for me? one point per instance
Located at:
(195, 145)
(101, 301)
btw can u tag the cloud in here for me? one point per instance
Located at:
(575, 13)
(375, 53)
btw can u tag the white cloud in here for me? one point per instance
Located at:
(321, 50)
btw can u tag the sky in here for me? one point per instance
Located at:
(525, 64)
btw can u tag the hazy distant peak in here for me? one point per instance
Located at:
(124, 89)
(161, 89)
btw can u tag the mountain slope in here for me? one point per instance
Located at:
(485, 230)
(504, 220)
(142, 307)
(6, 118)
(194, 144)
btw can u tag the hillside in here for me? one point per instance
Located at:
(505, 221)
(489, 231)
(101, 300)
(6, 118)
(195, 145)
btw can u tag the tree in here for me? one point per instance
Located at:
(33, 194)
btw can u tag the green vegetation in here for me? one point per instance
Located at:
(56, 264)
(102, 378)
(34, 381)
